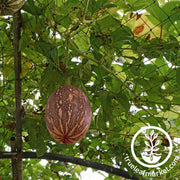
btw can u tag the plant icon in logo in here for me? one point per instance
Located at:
(150, 154)
(147, 139)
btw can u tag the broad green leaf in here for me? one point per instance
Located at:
(123, 100)
(24, 41)
(8, 67)
(178, 77)
(95, 41)
(139, 4)
(178, 122)
(82, 41)
(51, 79)
(113, 84)
(31, 8)
(162, 66)
(122, 34)
(119, 72)
(100, 121)
(156, 12)
(175, 132)
(85, 73)
(148, 71)
(105, 100)
(108, 22)
(171, 7)
(71, 4)
(65, 21)
(47, 49)
(26, 66)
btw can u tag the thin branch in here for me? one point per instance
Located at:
(161, 103)
(74, 160)
(85, 10)
(67, 81)
(174, 111)
(67, 51)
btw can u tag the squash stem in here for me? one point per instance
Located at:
(67, 51)
(67, 80)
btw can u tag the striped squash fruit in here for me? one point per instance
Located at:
(9, 7)
(68, 114)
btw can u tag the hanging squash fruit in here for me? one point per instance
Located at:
(68, 114)
(9, 7)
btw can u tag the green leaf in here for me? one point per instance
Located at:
(122, 34)
(157, 13)
(82, 41)
(64, 20)
(124, 101)
(113, 84)
(171, 7)
(32, 138)
(71, 4)
(24, 41)
(105, 100)
(26, 68)
(175, 132)
(100, 121)
(95, 42)
(31, 8)
(8, 66)
(178, 77)
(148, 71)
(47, 49)
(85, 72)
(162, 66)
(51, 79)
(139, 4)
(177, 122)
(41, 148)
(108, 22)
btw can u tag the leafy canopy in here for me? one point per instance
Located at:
(123, 54)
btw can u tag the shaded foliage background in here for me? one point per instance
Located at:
(123, 54)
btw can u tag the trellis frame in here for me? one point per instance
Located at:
(17, 69)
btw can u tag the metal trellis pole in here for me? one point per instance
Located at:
(17, 67)
(14, 159)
